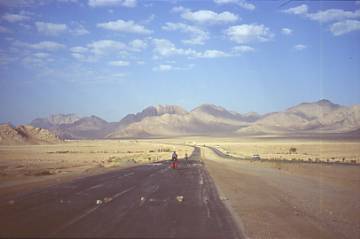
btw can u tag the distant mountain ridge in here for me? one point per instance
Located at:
(319, 117)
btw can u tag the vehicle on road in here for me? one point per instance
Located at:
(256, 157)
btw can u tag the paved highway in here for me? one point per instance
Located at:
(146, 201)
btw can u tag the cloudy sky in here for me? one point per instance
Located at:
(113, 57)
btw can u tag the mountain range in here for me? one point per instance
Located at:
(321, 117)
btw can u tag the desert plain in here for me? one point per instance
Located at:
(297, 188)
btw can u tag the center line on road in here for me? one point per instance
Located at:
(88, 212)
(96, 186)
(123, 192)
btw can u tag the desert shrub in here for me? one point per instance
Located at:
(44, 173)
(292, 150)
(164, 150)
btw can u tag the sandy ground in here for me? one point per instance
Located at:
(344, 151)
(290, 200)
(28, 166)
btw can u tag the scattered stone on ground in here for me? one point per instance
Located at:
(223, 198)
(107, 199)
(180, 198)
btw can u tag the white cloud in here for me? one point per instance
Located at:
(16, 3)
(43, 45)
(97, 49)
(247, 33)
(168, 67)
(242, 49)
(112, 3)
(51, 29)
(197, 35)
(179, 9)
(124, 26)
(78, 49)
(300, 47)
(79, 30)
(165, 48)
(343, 27)
(137, 45)
(241, 3)
(298, 10)
(37, 59)
(330, 15)
(119, 63)
(206, 16)
(81, 57)
(212, 54)
(163, 67)
(286, 31)
(15, 17)
(106, 46)
(41, 55)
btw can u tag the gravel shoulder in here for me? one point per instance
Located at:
(275, 200)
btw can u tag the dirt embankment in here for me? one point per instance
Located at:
(275, 200)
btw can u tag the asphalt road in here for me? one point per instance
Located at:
(221, 154)
(137, 202)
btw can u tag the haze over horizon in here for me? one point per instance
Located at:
(112, 58)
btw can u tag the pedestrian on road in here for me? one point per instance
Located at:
(174, 158)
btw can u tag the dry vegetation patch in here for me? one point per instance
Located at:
(23, 162)
(295, 150)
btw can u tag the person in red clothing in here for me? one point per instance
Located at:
(174, 158)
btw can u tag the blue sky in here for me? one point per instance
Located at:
(113, 57)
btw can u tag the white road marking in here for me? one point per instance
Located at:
(156, 164)
(123, 192)
(96, 186)
(88, 212)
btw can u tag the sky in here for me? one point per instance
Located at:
(113, 57)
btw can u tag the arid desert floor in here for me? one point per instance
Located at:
(283, 195)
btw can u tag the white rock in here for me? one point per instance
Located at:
(180, 198)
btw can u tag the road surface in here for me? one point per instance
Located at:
(138, 202)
